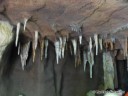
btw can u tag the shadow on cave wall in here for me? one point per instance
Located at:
(46, 78)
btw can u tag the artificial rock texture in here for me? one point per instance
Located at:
(46, 77)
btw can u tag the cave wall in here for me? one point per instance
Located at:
(46, 77)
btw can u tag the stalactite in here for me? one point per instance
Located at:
(63, 47)
(36, 39)
(108, 68)
(85, 60)
(24, 54)
(113, 40)
(90, 56)
(91, 61)
(76, 27)
(46, 47)
(25, 23)
(80, 39)
(74, 43)
(34, 45)
(66, 45)
(96, 43)
(57, 49)
(101, 43)
(126, 47)
(19, 49)
(126, 50)
(90, 45)
(42, 48)
(111, 45)
(61, 44)
(33, 51)
(17, 34)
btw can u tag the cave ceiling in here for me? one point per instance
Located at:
(96, 16)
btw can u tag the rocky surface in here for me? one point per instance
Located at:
(97, 16)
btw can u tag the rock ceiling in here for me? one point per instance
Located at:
(96, 16)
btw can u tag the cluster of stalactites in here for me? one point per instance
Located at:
(23, 50)
(60, 48)
(18, 26)
(88, 55)
(95, 42)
